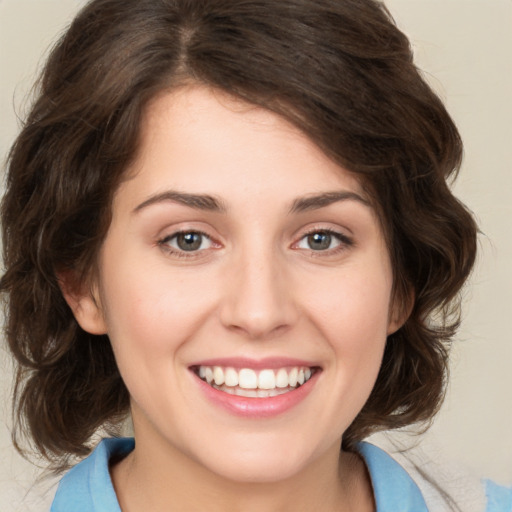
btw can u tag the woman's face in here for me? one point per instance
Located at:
(239, 252)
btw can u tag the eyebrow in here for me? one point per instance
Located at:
(315, 202)
(210, 203)
(197, 201)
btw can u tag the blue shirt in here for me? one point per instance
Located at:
(88, 488)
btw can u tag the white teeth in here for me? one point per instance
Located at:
(266, 379)
(249, 382)
(247, 379)
(218, 375)
(252, 393)
(292, 377)
(231, 377)
(282, 378)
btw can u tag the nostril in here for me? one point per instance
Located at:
(258, 303)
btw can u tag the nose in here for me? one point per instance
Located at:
(259, 301)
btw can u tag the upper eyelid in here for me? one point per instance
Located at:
(184, 231)
(344, 234)
(171, 231)
(174, 234)
(343, 239)
(331, 231)
(163, 243)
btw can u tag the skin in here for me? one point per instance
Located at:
(255, 288)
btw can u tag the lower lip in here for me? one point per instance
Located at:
(257, 407)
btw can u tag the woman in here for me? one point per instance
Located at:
(231, 220)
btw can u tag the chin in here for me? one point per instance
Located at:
(261, 471)
(258, 463)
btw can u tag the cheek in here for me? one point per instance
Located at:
(151, 315)
(141, 303)
(352, 313)
(151, 310)
(352, 306)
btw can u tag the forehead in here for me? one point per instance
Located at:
(203, 139)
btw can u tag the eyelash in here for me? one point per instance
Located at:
(344, 242)
(164, 243)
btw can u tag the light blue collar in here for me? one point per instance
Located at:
(393, 488)
(88, 487)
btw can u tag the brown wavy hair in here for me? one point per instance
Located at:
(339, 70)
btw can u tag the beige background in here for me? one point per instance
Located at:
(465, 49)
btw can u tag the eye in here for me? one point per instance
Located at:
(187, 241)
(323, 240)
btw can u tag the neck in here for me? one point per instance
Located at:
(160, 479)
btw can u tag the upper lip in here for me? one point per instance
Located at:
(256, 364)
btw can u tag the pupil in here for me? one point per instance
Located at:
(189, 241)
(319, 241)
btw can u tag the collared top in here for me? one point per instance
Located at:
(88, 487)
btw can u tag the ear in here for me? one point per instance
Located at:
(84, 301)
(400, 310)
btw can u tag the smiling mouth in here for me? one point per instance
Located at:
(251, 383)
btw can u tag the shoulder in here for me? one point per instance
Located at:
(499, 499)
(394, 489)
(87, 487)
(436, 485)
